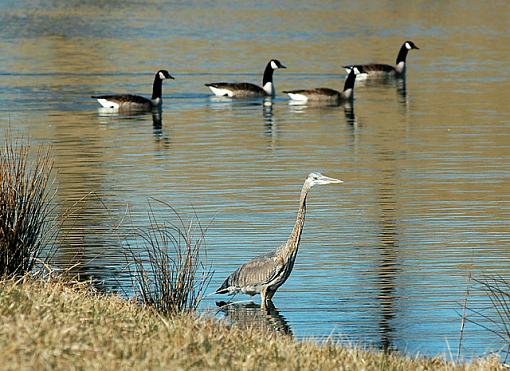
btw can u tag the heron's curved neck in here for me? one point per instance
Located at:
(156, 87)
(295, 236)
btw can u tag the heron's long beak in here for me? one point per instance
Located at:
(327, 180)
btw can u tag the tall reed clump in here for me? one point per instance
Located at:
(497, 319)
(170, 270)
(25, 205)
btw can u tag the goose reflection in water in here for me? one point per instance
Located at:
(108, 116)
(399, 83)
(350, 116)
(245, 105)
(251, 315)
(269, 122)
(348, 107)
(402, 92)
(229, 103)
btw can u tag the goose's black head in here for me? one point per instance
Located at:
(410, 45)
(163, 74)
(275, 64)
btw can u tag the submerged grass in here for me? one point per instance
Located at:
(59, 325)
(25, 205)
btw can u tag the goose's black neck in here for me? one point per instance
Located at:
(349, 82)
(402, 54)
(156, 87)
(268, 74)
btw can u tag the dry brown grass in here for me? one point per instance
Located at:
(59, 325)
(25, 205)
(170, 269)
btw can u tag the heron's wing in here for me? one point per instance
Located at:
(258, 271)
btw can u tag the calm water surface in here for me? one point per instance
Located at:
(385, 257)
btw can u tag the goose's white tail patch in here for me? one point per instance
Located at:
(221, 92)
(298, 97)
(108, 104)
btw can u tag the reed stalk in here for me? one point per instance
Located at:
(496, 317)
(170, 269)
(25, 205)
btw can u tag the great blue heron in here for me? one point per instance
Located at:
(266, 273)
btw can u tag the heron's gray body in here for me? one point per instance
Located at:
(266, 273)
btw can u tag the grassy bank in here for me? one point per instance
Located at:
(64, 326)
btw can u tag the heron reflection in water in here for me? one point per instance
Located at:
(249, 315)
(266, 273)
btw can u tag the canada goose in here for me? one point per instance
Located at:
(135, 102)
(325, 95)
(377, 70)
(246, 89)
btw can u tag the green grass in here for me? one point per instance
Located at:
(57, 325)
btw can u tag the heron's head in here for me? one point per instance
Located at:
(319, 179)
(163, 74)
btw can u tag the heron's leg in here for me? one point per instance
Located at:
(269, 295)
(263, 294)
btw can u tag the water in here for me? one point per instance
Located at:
(385, 257)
